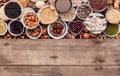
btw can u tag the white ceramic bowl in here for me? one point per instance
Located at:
(5, 26)
(36, 36)
(13, 33)
(65, 29)
(100, 29)
(79, 7)
(115, 34)
(22, 19)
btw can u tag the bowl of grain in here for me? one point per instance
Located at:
(69, 16)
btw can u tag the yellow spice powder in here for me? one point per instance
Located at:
(2, 27)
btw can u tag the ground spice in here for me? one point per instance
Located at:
(12, 10)
(112, 29)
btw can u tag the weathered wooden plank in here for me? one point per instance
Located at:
(60, 70)
(59, 52)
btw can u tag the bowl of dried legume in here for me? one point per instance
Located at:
(112, 30)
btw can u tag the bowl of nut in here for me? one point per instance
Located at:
(57, 30)
(34, 33)
(30, 20)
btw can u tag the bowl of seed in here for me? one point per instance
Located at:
(112, 30)
(69, 16)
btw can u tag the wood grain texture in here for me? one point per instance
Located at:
(60, 52)
(60, 71)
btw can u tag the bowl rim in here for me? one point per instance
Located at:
(115, 34)
(5, 29)
(8, 27)
(62, 36)
(36, 36)
(22, 20)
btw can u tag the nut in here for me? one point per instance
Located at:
(86, 35)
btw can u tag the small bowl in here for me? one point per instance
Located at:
(79, 30)
(98, 10)
(101, 29)
(79, 7)
(24, 4)
(68, 12)
(22, 19)
(20, 7)
(65, 29)
(13, 33)
(115, 34)
(5, 26)
(36, 36)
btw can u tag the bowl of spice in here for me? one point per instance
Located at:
(98, 5)
(34, 33)
(76, 26)
(15, 28)
(57, 30)
(112, 30)
(13, 10)
(96, 23)
(69, 16)
(3, 28)
(83, 11)
(30, 20)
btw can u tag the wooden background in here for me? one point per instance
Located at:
(60, 57)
